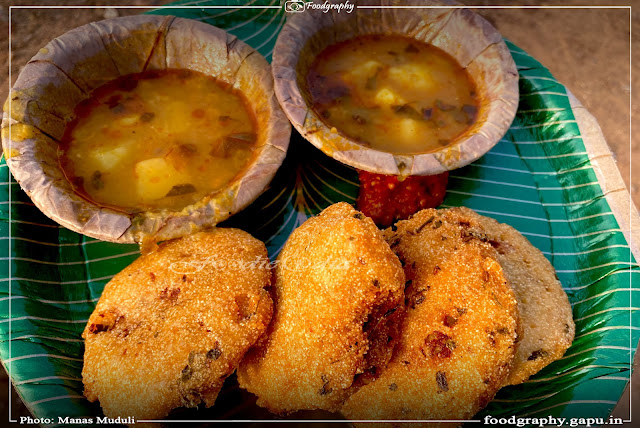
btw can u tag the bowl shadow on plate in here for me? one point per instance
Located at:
(307, 182)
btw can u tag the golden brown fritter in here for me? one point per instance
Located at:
(174, 324)
(338, 302)
(459, 335)
(545, 312)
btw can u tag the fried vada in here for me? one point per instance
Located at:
(339, 299)
(545, 311)
(459, 335)
(174, 324)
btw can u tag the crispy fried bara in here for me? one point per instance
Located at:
(338, 302)
(459, 335)
(174, 324)
(545, 312)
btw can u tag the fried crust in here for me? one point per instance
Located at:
(173, 325)
(545, 312)
(459, 335)
(338, 304)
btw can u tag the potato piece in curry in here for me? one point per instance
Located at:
(161, 139)
(392, 93)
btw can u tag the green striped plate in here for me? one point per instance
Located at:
(538, 178)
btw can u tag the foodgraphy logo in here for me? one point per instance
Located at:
(294, 6)
(297, 6)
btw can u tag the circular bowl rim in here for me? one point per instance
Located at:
(468, 147)
(104, 223)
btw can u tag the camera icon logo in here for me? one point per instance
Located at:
(294, 6)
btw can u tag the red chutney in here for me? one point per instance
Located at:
(385, 199)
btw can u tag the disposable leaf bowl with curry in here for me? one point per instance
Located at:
(144, 126)
(397, 91)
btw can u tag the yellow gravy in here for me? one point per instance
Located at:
(392, 93)
(158, 139)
